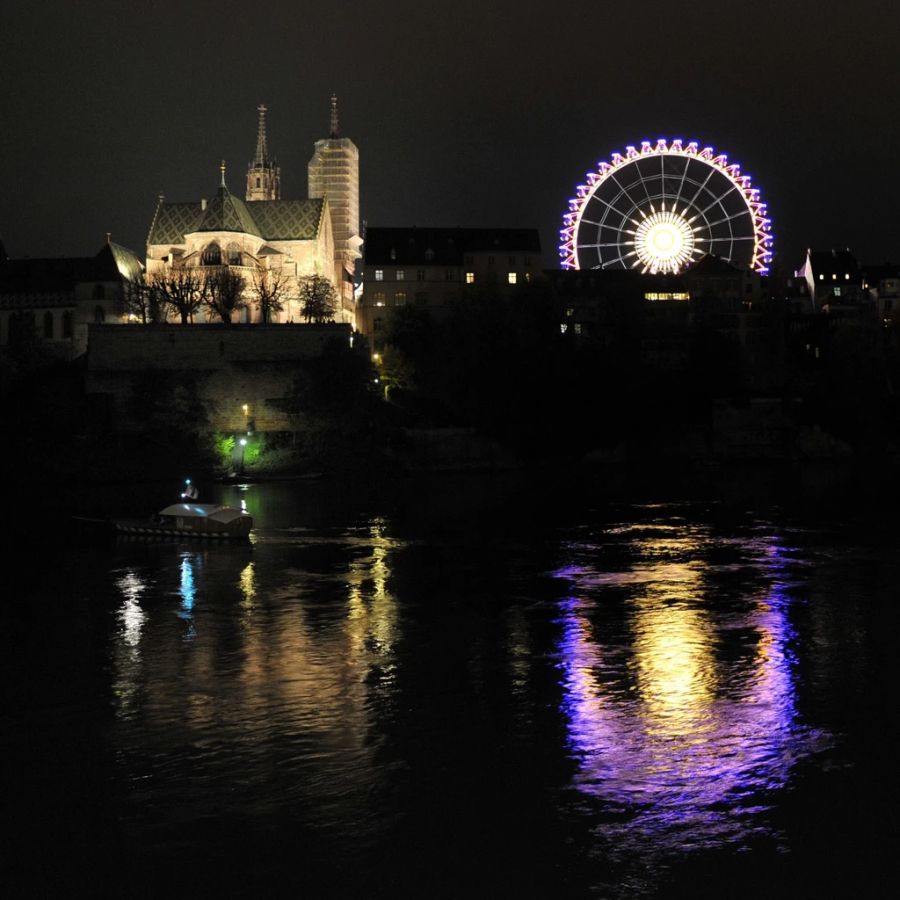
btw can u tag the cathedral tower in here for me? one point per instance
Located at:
(263, 176)
(334, 174)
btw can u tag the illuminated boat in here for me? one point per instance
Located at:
(191, 520)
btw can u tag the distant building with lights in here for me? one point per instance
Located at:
(833, 278)
(432, 267)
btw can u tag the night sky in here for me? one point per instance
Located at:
(470, 113)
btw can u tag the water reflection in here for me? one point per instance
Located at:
(285, 653)
(679, 694)
(188, 590)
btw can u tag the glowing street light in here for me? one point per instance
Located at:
(243, 443)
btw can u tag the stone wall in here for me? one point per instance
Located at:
(241, 371)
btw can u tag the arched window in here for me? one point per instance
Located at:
(67, 324)
(99, 292)
(99, 315)
(212, 255)
(233, 255)
(48, 325)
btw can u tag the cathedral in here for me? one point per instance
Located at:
(263, 232)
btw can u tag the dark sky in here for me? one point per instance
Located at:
(468, 113)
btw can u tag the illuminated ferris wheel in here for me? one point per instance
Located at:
(662, 206)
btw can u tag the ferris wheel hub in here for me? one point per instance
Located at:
(664, 242)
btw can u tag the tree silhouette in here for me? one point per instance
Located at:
(318, 299)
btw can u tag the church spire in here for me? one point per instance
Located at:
(263, 175)
(335, 127)
(262, 151)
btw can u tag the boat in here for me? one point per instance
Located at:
(208, 521)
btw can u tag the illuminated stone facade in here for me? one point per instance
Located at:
(265, 233)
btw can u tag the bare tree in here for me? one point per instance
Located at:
(318, 299)
(181, 290)
(225, 292)
(270, 288)
(141, 300)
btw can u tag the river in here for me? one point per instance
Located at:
(460, 686)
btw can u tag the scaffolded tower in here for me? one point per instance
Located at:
(334, 174)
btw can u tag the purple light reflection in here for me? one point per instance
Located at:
(681, 744)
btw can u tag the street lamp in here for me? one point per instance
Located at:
(243, 443)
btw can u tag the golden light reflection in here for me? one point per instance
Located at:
(663, 726)
(248, 585)
(372, 610)
(674, 662)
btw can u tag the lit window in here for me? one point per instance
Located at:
(821, 278)
(378, 298)
(511, 277)
(837, 292)
(834, 276)
(401, 275)
(570, 312)
(577, 327)
(470, 278)
(563, 328)
(379, 274)
(528, 277)
(400, 298)
(847, 276)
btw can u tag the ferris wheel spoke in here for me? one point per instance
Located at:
(718, 200)
(687, 164)
(737, 215)
(624, 191)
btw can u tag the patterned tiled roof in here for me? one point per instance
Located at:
(225, 212)
(287, 220)
(173, 221)
(272, 220)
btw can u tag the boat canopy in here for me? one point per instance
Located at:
(211, 511)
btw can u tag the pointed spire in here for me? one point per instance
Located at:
(262, 150)
(222, 170)
(335, 128)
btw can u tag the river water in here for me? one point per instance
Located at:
(460, 687)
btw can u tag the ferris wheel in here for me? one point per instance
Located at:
(662, 206)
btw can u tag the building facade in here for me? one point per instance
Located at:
(432, 267)
(55, 300)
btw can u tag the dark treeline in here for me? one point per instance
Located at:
(555, 377)
(547, 377)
